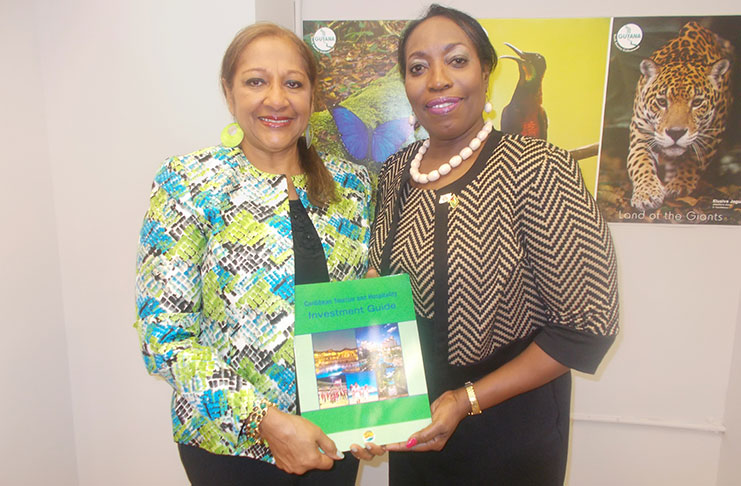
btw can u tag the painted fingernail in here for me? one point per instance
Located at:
(340, 455)
(368, 447)
(354, 450)
(411, 443)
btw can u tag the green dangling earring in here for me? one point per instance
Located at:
(309, 135)
(232, 135)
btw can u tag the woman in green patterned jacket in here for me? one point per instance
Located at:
(230, 230)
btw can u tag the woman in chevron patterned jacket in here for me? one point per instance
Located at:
(512, 268)
(230, 230)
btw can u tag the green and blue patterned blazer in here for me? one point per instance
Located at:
(215, 286)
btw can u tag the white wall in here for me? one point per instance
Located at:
(36, 434)
(281, 12)
(125, 84)
(679, 296)
(729, 473)
(111, 88)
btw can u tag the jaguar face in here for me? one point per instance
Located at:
(679, 110)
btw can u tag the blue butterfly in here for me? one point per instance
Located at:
(363, 143)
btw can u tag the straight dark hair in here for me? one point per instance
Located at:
(469, 25)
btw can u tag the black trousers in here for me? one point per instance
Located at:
(520, 442)
(206, 469)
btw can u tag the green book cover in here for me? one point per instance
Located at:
(358, 360)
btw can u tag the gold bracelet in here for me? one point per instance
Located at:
(475, 409)
(254, 419)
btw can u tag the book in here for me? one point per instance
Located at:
(359, 363)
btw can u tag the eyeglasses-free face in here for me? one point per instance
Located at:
(270, 97)
(445, 81)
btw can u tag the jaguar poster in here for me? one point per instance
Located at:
(671, 151)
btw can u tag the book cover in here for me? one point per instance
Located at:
(358, 360)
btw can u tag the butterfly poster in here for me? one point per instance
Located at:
(361, 111)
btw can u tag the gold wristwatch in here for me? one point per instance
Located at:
(475, 409)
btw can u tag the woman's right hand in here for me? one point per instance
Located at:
(297, 444)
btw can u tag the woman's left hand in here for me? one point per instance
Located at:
(447, 412)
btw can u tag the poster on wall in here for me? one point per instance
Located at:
(362, 111)
(671, 144)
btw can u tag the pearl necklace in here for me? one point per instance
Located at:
(454, 161)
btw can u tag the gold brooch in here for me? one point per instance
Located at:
(449, 198)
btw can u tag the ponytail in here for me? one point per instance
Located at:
(320, 185)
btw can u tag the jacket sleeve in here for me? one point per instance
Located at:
(570, 252)
(382, 211)
(210, 395)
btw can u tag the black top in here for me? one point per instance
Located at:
(309, 261)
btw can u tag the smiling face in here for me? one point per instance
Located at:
(444, 81)
(270, 97)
